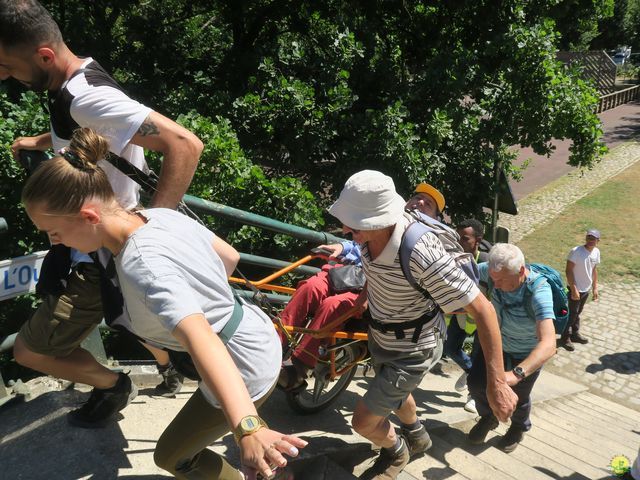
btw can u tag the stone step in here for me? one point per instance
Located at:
(459, 459)
(548, 448)
(566, 410)
(490, 455)
(583, 435)
(318, 468)
(583, 449)
(543, 458)
(616, 408)
(603, 412)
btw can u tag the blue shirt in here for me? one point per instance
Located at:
(518, 329)
(351, 252)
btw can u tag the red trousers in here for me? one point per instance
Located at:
(314, 297)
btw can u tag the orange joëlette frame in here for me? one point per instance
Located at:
(325, 331)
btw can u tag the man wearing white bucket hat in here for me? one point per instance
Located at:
(371, 210)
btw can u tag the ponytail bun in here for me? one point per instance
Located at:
(88, 147)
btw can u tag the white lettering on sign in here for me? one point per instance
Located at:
(19, 275)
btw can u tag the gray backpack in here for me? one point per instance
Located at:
(450, 241)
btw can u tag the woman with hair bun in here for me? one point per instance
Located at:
(178, 298)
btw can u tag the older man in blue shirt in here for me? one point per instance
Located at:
(528, 339)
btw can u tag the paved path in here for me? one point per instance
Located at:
(545, 204)
(620, 124)
(610, 363)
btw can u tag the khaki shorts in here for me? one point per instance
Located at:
(60, 324)
(394, 381)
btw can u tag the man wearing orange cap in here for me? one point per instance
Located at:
(428, 200)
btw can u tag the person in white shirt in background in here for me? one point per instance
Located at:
(582, 277)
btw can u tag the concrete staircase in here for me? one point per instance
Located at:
(575, 436)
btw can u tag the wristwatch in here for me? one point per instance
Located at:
(248, 425)
(519, 372)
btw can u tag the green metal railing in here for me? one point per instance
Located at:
(255, 220)
(222, 211)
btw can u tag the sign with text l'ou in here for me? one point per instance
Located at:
(19, 275)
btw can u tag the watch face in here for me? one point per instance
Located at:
(249, 423)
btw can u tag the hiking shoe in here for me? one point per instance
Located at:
(103, 404)
(171, 381)
(461, 383)
(418, 440)
(470, 405)
(577, 338)
(567, 344)
(389, 464)
(480, 430)
(511, 439)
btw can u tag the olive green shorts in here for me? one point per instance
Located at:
(60, 324)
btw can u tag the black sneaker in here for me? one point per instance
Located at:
(567, 344)
(418, 440)
(577, 338)
(171, 381)
(511, 439)
(481, 429)
(389, 464)
(103, 404)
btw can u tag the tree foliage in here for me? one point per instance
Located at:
(291, 94)
(621, 28)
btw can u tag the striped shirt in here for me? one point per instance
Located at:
(391, 297)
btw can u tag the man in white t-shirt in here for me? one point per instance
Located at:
(401, 349)
(82, 94)
(582, 276)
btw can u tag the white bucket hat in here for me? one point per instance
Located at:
(368, 201)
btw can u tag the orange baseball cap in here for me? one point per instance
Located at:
(433, 193)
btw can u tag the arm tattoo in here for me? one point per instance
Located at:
(148, 128)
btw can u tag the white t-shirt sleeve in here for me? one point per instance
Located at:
(171, 299)
(572, 255)
(111, 113)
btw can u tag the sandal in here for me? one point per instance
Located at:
(290, 379)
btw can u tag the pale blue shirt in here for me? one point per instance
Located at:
(518, 329)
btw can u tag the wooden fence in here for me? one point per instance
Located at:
(612, 100)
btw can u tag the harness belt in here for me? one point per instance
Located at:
(232, 325)
(398, 328)
(183, 362)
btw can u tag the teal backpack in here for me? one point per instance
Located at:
(558, 292)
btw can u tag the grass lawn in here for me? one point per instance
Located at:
(614, 209)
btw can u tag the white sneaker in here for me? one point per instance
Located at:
(470, 406)
(461, 383)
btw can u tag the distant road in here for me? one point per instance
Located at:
(621, 124)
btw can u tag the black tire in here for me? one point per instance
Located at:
(306, 401)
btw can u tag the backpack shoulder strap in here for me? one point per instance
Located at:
(148, 181)
(531, 288)
(410, 238)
